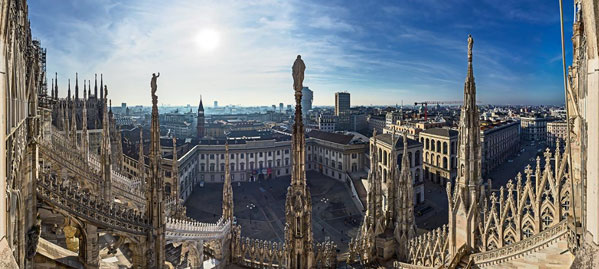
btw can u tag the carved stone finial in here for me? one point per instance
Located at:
(470, 44)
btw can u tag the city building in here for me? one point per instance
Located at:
(307, 96)
(556, 130)
(335, 155)
(500, 140)
(327, 123)
(439, 154)
(534, 128)
(342, 110)
(376, 122)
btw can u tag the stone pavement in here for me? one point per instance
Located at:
(260, 208)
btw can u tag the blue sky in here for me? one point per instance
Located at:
(382, 52)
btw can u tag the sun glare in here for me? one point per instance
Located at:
(208, 39)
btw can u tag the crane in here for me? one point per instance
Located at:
(426, 103)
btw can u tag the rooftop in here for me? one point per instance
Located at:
(441, 132)
(386, 138)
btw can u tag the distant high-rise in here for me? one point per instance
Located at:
(281, 108)
(307, 96)
(215, 104)
(342, 104)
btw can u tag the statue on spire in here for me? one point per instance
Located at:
(154, 87)
(298, 77)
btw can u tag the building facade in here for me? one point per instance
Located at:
(499, 141)
(376, 123)
(556, 130)
(534, 128)
(440, 154)
(342, 110)
(335, 155)
(327, 123)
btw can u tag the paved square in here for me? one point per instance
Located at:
(260, 208)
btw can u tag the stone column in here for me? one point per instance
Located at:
(137, 254)
(90, 253)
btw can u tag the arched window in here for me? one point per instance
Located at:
(438, 146)
(410, 159)
(417, 158)
(438, 160)
(385, 158)
(445, 162)
(444, 147)
(426, 159)
(433, 159)
(426, 145)
(432, 145)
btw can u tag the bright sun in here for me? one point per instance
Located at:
(208, 39)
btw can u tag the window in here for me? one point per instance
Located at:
(202, 167)
(211, 167)
(232, 167)
(241, 166)
(278, 162)
(269, 153)
(222, 156)
(251, 155)
(232, 156)
(222, 167)
(260, 164)
(211, 156)
(242, 155)
(251, 165)
(278, 152)
(260, 154)
(286, 151)
(354, 155)
(286, 161)
(202, 156)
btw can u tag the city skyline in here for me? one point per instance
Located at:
(238, 52)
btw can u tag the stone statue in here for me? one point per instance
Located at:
(470, 44)
(154, 87)
(298, 73)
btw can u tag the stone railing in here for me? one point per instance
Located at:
(397, 264)
(90, 207)
(131, 184)
(178, 230)
(255, 253)
(518, 249)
